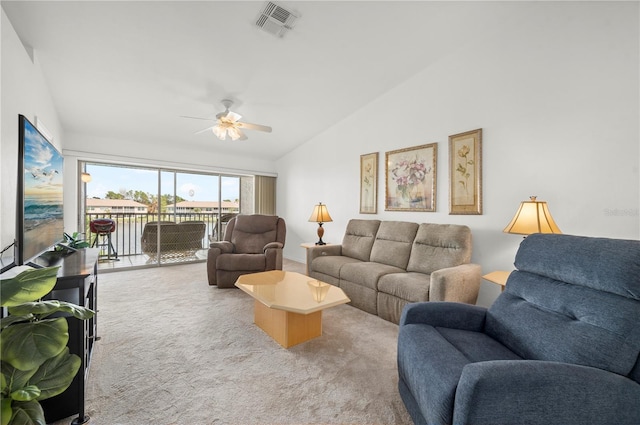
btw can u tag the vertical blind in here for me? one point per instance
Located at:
(265, 195)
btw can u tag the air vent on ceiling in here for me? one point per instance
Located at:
(275, 19)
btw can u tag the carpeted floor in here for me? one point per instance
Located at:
(175, 350)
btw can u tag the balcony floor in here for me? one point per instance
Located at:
(106, 265)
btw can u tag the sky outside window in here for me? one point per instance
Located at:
(191, 187)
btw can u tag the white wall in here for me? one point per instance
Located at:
(557, 97)
(25, 92)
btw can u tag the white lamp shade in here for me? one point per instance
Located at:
(320, 214)
(532, 217)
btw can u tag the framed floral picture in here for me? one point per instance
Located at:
(410, 179)
(369, 183)
(465, 173)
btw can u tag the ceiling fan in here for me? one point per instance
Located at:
(229, 124)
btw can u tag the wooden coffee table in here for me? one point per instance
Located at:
(288, 306)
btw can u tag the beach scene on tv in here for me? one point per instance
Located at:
(43, 211)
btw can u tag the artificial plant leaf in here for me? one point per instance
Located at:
(35, 307)
(27, 413)
(28, 393)
(15, 378)
(45, 308)
(27, 345)
(5, 411)
(29, 285)
(9, 320)
(75, 241)
(55, 375)
(77, 311)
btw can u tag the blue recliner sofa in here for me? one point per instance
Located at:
(560, 345)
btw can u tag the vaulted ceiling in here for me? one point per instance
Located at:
(124, 69)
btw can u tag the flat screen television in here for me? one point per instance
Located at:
(40, 220)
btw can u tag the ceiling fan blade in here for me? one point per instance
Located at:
(206, 129)
(242, 135)
(250, 126)
(232, 116)
(197, 118)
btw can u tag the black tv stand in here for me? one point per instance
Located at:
(52, 258)
(77, 282)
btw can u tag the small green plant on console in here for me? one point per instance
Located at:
(35, 361)
(74, 241)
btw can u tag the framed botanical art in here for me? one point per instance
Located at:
(369, 183)
(465, 173)
(410, 179)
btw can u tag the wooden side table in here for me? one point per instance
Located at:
(499, 277)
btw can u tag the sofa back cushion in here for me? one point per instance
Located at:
(358, 238)
(438, 246)
(250, 233)
(392, 245)
(575, 300)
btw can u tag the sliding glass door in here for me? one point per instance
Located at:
(161, 216)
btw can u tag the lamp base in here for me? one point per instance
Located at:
(320, 234)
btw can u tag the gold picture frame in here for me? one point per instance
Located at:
(465, 173)
(369, 183)
(410, 178)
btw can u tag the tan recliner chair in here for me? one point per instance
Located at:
(252, 243)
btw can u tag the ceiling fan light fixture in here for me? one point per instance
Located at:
(233, 133)
(228, 124)
(221, 133)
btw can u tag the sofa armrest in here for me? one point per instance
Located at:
(541, 393)
(459, 284)
(225, 247)
(273, 245)
(445, 314)
(322, 250)
(273, 256)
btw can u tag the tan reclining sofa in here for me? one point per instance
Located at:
(383, 265)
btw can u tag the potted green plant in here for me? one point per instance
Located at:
(74, 240)
(35, 361)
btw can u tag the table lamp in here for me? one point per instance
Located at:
(532, 217)
(320, 215)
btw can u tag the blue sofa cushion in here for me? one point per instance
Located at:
(433, 383)
(610, 265)
(568, 307)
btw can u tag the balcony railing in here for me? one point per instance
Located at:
(127, 236)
